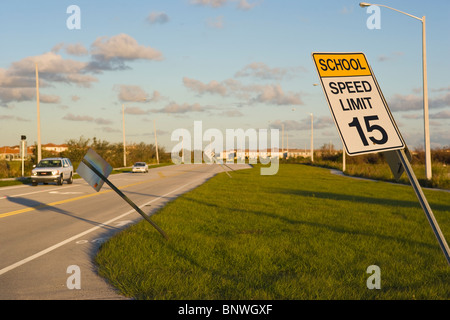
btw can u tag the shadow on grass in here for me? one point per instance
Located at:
(359, 199)
(329, 227)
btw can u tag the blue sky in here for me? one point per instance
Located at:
(230, 63)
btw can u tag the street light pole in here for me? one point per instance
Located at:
(312, 140)
(123, 130)
(156, 142)
(425, 88)
(39, 155)
(425, 105)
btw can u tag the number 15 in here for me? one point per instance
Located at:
(374, 127)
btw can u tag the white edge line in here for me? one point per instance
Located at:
(60, 244)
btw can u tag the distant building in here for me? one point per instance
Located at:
(55, 147)
(295, 153)
(232, 155)
(13, 153)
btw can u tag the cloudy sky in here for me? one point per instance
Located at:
(229, 63)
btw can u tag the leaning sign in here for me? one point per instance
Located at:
(364, 121)
(359, 110)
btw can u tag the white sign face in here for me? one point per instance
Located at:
(98, 163)
(359, 110)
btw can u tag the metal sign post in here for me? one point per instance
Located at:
(424, 204)
(210, 154)
(96, 184)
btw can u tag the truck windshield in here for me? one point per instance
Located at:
(49, 164)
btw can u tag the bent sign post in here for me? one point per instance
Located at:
(95, 170)
(363, 119)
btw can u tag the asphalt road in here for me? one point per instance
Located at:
(49, 234)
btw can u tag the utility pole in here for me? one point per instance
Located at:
(39, 154)
(124, 144)
(312, 140)
(156, 142)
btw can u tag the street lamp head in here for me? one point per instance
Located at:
(364, 4)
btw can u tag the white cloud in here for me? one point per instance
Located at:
(71, 117)
(232, 113)
(157, 17)
(124, 47)
(110, 130)
(321, 122)
(241, 4)
(181, 108)
(76, 49)
(48, 63)
(441, 115)
(270, 94)
(262, 71)
(273, 94)
(52, 67)
(245, 5)
(210, 3)
(212, 87)
(132, 93)
(289, 125)
(17, 83)
(9, 117)
(346, 10)
(135, 110)
(216, 23)
(44, 98)
(392, 56)
(16, 94)
(412, 102)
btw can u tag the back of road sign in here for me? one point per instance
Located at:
(359, 110)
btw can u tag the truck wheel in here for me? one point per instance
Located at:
(60, 180)
(70, 179)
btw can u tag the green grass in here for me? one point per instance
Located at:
(381, 171)
(300, 234)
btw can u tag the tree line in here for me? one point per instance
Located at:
(113, 152)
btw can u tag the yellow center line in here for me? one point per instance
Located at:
(43, 205)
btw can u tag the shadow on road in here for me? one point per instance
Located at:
(40, 206)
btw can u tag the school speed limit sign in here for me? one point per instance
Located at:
(359, 109)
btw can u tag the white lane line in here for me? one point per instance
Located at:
(16, 187)
(60, 244)
(64, 192)
(43, 190)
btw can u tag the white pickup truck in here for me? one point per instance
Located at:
(52, 170)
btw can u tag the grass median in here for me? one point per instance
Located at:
(303, 233)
